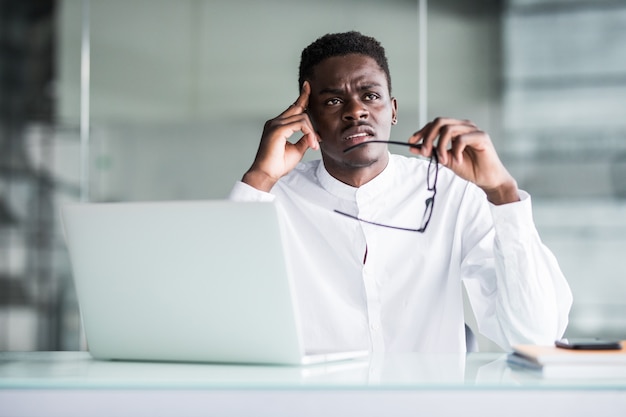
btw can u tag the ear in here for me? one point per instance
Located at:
(394, 111)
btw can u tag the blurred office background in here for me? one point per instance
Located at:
(124, 100)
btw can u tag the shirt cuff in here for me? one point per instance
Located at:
(244, 192)
(514, 218)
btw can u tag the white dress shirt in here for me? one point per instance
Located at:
(362, 286)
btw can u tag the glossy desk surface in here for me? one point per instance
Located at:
(432, 382)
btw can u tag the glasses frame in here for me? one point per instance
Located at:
(429, 202)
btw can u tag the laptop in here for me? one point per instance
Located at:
(199, 281)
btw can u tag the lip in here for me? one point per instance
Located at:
(358, 134)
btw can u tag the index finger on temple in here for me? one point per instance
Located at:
(301, 103)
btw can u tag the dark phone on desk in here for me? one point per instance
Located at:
(588, 344)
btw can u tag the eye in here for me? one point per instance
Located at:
(333, 101)
(371, 96)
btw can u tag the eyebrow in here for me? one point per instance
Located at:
(331, 90)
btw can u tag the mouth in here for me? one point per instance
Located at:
(355, 136)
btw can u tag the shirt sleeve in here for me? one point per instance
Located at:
(244, 192)
(522, 297)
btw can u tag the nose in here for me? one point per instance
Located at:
(355, 110)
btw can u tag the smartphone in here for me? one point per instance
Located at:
(588, 344)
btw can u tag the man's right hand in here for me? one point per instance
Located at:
(276, 155)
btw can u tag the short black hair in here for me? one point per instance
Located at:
(340, 44)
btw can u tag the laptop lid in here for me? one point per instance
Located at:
(184, 281)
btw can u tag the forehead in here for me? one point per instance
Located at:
(348, 69)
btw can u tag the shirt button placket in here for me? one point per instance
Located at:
(369, 281)
(373, 310)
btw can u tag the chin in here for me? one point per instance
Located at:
(363, 161)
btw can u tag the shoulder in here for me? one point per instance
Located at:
(303, 173)
(406, 167)
(305, 169)
(403, 164)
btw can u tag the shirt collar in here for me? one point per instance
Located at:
(375, 187)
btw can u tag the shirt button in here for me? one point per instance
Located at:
(375, 327)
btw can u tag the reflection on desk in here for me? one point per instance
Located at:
(71, 383)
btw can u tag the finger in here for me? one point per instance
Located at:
(473, 143)
(294, 152)
(457, 149)
(432, 132)
(418, 137)
(439, 133)
(301, 103)
(305, 143)
(449, 134)
(287, 126)
(429, 134)
(311, 138)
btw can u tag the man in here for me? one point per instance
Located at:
(380, 244)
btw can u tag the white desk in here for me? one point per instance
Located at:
(481, 384)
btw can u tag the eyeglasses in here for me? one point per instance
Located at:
(431, 184)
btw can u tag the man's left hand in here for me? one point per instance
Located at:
(470, 154)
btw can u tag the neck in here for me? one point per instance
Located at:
(356, 176)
